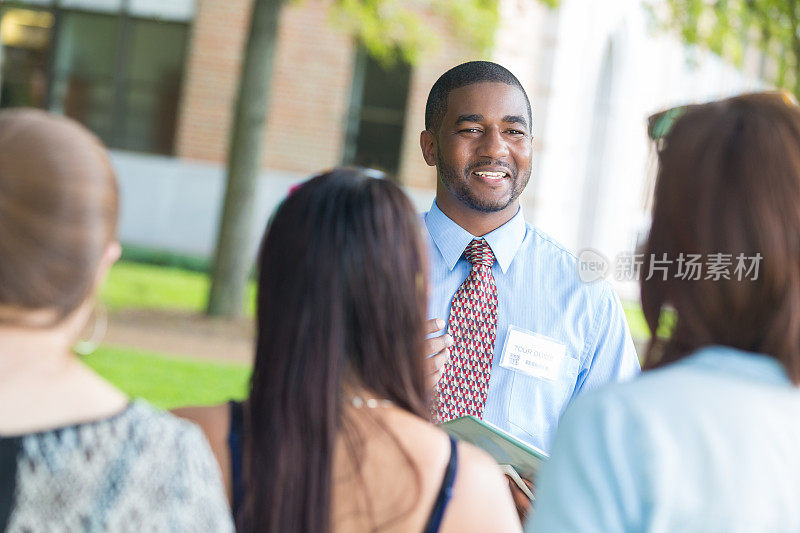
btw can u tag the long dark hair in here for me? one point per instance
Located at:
(729, 182)
(341, 302)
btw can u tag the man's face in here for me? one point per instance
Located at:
(483, 148)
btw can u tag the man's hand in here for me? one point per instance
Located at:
(437, 351)
(521, 501)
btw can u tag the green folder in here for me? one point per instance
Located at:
(504, 448)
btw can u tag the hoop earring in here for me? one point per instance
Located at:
(86, 347)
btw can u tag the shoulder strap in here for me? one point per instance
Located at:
(9, 452)
(445, 491)
(235, 440)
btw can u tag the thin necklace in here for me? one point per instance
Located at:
(370, 403)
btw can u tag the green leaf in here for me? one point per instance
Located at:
(730, 27)
(393, 30)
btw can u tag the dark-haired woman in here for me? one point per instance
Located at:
(337, 437)
(708, 439)
(75, 453)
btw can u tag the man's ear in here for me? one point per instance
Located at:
(427, 141)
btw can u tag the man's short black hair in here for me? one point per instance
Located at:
(461, 76)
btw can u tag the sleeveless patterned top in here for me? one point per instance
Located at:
(140, 470)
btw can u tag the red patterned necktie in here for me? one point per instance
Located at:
(473, 326)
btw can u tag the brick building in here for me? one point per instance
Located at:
(157, 81)
(325, 91)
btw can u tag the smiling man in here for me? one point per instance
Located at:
(527, 334)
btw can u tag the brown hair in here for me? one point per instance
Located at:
(729, 182)
(58, 213)
(342, 296)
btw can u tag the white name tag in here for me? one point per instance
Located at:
(533, 354)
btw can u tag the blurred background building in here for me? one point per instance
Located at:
(156, 81)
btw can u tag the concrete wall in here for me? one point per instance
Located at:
(173, 204)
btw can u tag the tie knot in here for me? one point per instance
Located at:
(478, 252)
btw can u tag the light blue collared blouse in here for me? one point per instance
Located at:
(539, 290)
(710, 443)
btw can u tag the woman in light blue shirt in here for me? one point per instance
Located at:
(709, 438)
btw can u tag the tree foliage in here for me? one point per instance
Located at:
(730, 28)
(394, 30)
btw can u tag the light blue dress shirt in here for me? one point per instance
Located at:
(539, 290)
(710, 443)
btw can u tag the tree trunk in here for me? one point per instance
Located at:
(231, 259)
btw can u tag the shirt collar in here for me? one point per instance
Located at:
(451, 239)
(748, 365)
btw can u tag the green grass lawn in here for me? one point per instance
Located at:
(638, 325)
(164, 380)
(636, 321)
(173, 382)
(169, 382)
(140, 286)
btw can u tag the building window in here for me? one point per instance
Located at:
(26, 35)
(377, 114)
(108, 64)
